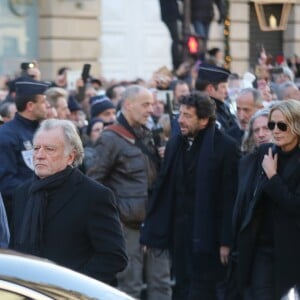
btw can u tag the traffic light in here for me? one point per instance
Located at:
(193, 45)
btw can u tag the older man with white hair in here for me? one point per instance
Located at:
(63, 215)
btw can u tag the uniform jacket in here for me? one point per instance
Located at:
(236, 133)
(82, 227)
(284, 190)
(122, 166)
(15, 138)
(224, 116)
(157, 228)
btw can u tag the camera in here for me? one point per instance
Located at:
(276, 70)
(27, 65)
(157, 131)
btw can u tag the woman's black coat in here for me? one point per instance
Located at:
(284, 191)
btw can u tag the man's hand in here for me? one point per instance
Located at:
(224, 254)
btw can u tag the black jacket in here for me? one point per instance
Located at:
(82, 228)
(157, 228)
(15, 152)
(225, 118)
(203, 10)
(284, 191)
(169, 10)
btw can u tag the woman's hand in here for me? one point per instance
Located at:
(269, 163)
(224, 254)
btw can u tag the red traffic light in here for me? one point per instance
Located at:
(193, 44)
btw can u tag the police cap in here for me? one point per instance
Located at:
(30, 87)
(212, 73)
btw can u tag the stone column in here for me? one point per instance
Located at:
(239, 36)
(291, 35)
(68, 35)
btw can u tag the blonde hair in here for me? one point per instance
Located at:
(291, 111)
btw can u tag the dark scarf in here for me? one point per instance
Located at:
(31, 234)
(141, 134)
(204, 239)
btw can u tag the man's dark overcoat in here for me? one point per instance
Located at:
(284, 190)
(82, 227)
(157, 230)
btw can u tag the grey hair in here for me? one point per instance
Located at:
(70, 134)
(248, 142)
(288, 72)
(281, 89)
(256, 94)
(131, 93)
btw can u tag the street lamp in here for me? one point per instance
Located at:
(273, 15)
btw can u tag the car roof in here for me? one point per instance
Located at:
(51, 279)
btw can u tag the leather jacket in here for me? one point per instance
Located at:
(122, 166)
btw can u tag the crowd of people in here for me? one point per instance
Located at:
(185, 186)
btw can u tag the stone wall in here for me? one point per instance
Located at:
(125, 43)
(68, 35)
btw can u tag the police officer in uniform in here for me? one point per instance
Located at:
(213, 80)
(16, 137)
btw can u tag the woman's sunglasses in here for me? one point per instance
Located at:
(280, 125)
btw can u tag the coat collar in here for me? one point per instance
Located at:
(292, 165)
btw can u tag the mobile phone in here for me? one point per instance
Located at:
(85, 72)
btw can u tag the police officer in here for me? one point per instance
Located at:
(16, 137)
(213, 80)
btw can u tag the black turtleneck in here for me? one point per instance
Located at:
(284, 157)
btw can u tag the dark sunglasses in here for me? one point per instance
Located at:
(280, 125)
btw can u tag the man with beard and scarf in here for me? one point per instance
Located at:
(61, 214)
(126, 161)
(190, 210)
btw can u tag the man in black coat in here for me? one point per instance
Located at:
(63, 215)
(191, 208)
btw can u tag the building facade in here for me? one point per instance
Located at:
(122, 39)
